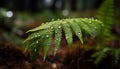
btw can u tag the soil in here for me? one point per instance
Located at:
(12, 57)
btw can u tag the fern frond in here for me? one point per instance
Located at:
(106, 12)
(100, 55)
(106, 15)
(77, 26)
(103, 52)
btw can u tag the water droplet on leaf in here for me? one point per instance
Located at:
(78, 32)
(36, 41)
(90, 22)
(47, 36)
(51, 27)
(38, 35)
(59, 27)
(35, 35)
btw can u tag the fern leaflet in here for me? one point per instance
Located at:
(68, 33)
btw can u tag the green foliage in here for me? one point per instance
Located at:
(106, 12)
(41, 36)
(103, 52)
(106, 15)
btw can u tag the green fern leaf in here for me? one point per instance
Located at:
(95, 28)
(77, 30)
(35, 47)
(68, 33)
(107, 16)
(106, 12)
(100, 55)
(33, 36)
(47, 42)
(85, 27)
(58, 36)
(44, 26)
(35, 51)
(69, 26)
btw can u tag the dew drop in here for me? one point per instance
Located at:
(36, 41)
(78, 32)
(59, 27)
(38, 35)
(90, 22)
(51, 27)
(47, 36)
(35, 35)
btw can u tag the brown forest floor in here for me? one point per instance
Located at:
(12, 57)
